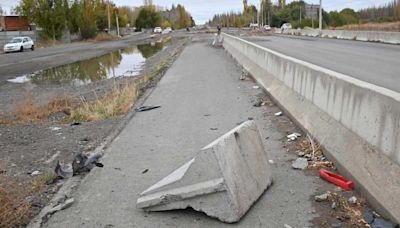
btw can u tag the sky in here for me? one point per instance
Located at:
(203, 10)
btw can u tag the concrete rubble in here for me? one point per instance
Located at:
(224, 180)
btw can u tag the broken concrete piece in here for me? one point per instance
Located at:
(278, 114)
(321, 197)
(300, 163)
(293, 136)
(223, 180)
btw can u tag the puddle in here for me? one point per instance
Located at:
(126, 62)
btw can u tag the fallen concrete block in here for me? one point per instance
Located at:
(223, 180)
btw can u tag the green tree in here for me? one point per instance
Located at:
(148, 18)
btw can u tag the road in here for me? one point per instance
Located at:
(17, 64)
(200, 91)
(371, 62)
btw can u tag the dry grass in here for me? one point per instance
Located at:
(41, 181)
(313, 150)
(29, 111)
(103, 37)
(390, 27)
(115, 103)
(352, 214)
(14, 210)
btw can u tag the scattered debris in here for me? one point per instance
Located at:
(207, 115)
(353, 200)
(213, 129)
(293, 137)
(278, 114)
(244, 74)
(271, 162)
(61, 206)
(145, 171)
(35, 173)
(336, 179)
(250, 118)
(55, 128)
(333, 206)
(63, 172)
(258, 103)
(75, 124)
(300, 163)
(146, 108)
(81, 163)
(256, 87)
(322, 197)
(286, 226)
(50, 160)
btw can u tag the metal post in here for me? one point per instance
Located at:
(108, 16)
(320, 17)
(116, 19)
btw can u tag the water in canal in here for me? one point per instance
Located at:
(126, 62)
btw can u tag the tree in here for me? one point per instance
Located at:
(148, 18)
(90, 12)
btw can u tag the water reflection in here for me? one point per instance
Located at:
(126, 62)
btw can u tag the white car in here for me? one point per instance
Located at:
(267, 28)
(157, 30)
(167, 30)
(19, 44)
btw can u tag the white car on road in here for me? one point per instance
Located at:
(157, 30)
(167, 30)
(19, 44)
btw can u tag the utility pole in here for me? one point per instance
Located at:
(300, 12)
(116, 19)
(108, 17)
(320, 17)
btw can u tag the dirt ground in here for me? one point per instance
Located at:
(30, 150)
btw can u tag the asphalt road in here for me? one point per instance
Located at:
(196, 94)
(375, 63)
(17, 64)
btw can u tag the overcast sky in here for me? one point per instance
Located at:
(202, 10)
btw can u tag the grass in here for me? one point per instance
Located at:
(115, 103)
(14, 210)
(389, 26)
(29, 111)
(41, 181)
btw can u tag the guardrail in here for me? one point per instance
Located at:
(372, 36)
(358, 123)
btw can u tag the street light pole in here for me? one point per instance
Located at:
(320, 16)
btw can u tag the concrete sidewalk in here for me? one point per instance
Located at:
(200, 91)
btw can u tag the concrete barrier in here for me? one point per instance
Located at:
(224, 180)
(357, 123)
(372, 36)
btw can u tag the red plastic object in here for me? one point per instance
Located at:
(336, 179)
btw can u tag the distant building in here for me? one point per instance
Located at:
(14, 23)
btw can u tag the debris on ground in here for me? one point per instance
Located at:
(286, 226)
(35, 173)
(146, 108)
(322, 197)
(375, 221)
(55, 128)
(300, 163)
(61, 206)
(145, 171)
(256, 87)
(278, 114)
(271, 162)
(336, 179)
(313, 152)
(244, 74)
(344, 212)
(81, 163)
(353, 200)
(213, 129)
(75, 124)
(258, 103)
(293, 137)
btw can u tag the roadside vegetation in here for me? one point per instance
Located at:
(294, 12)
(88, 18)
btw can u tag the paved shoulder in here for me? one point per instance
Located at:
(201, 98)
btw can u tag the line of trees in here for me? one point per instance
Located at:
(294, 12)
(177, 17)
(85, 17)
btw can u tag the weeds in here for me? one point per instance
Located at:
(115, 103)
(42, 180)
(391, 26)
(14, 210)
(28, 111)
(344, 212)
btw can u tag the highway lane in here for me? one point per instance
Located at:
(375, 63)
